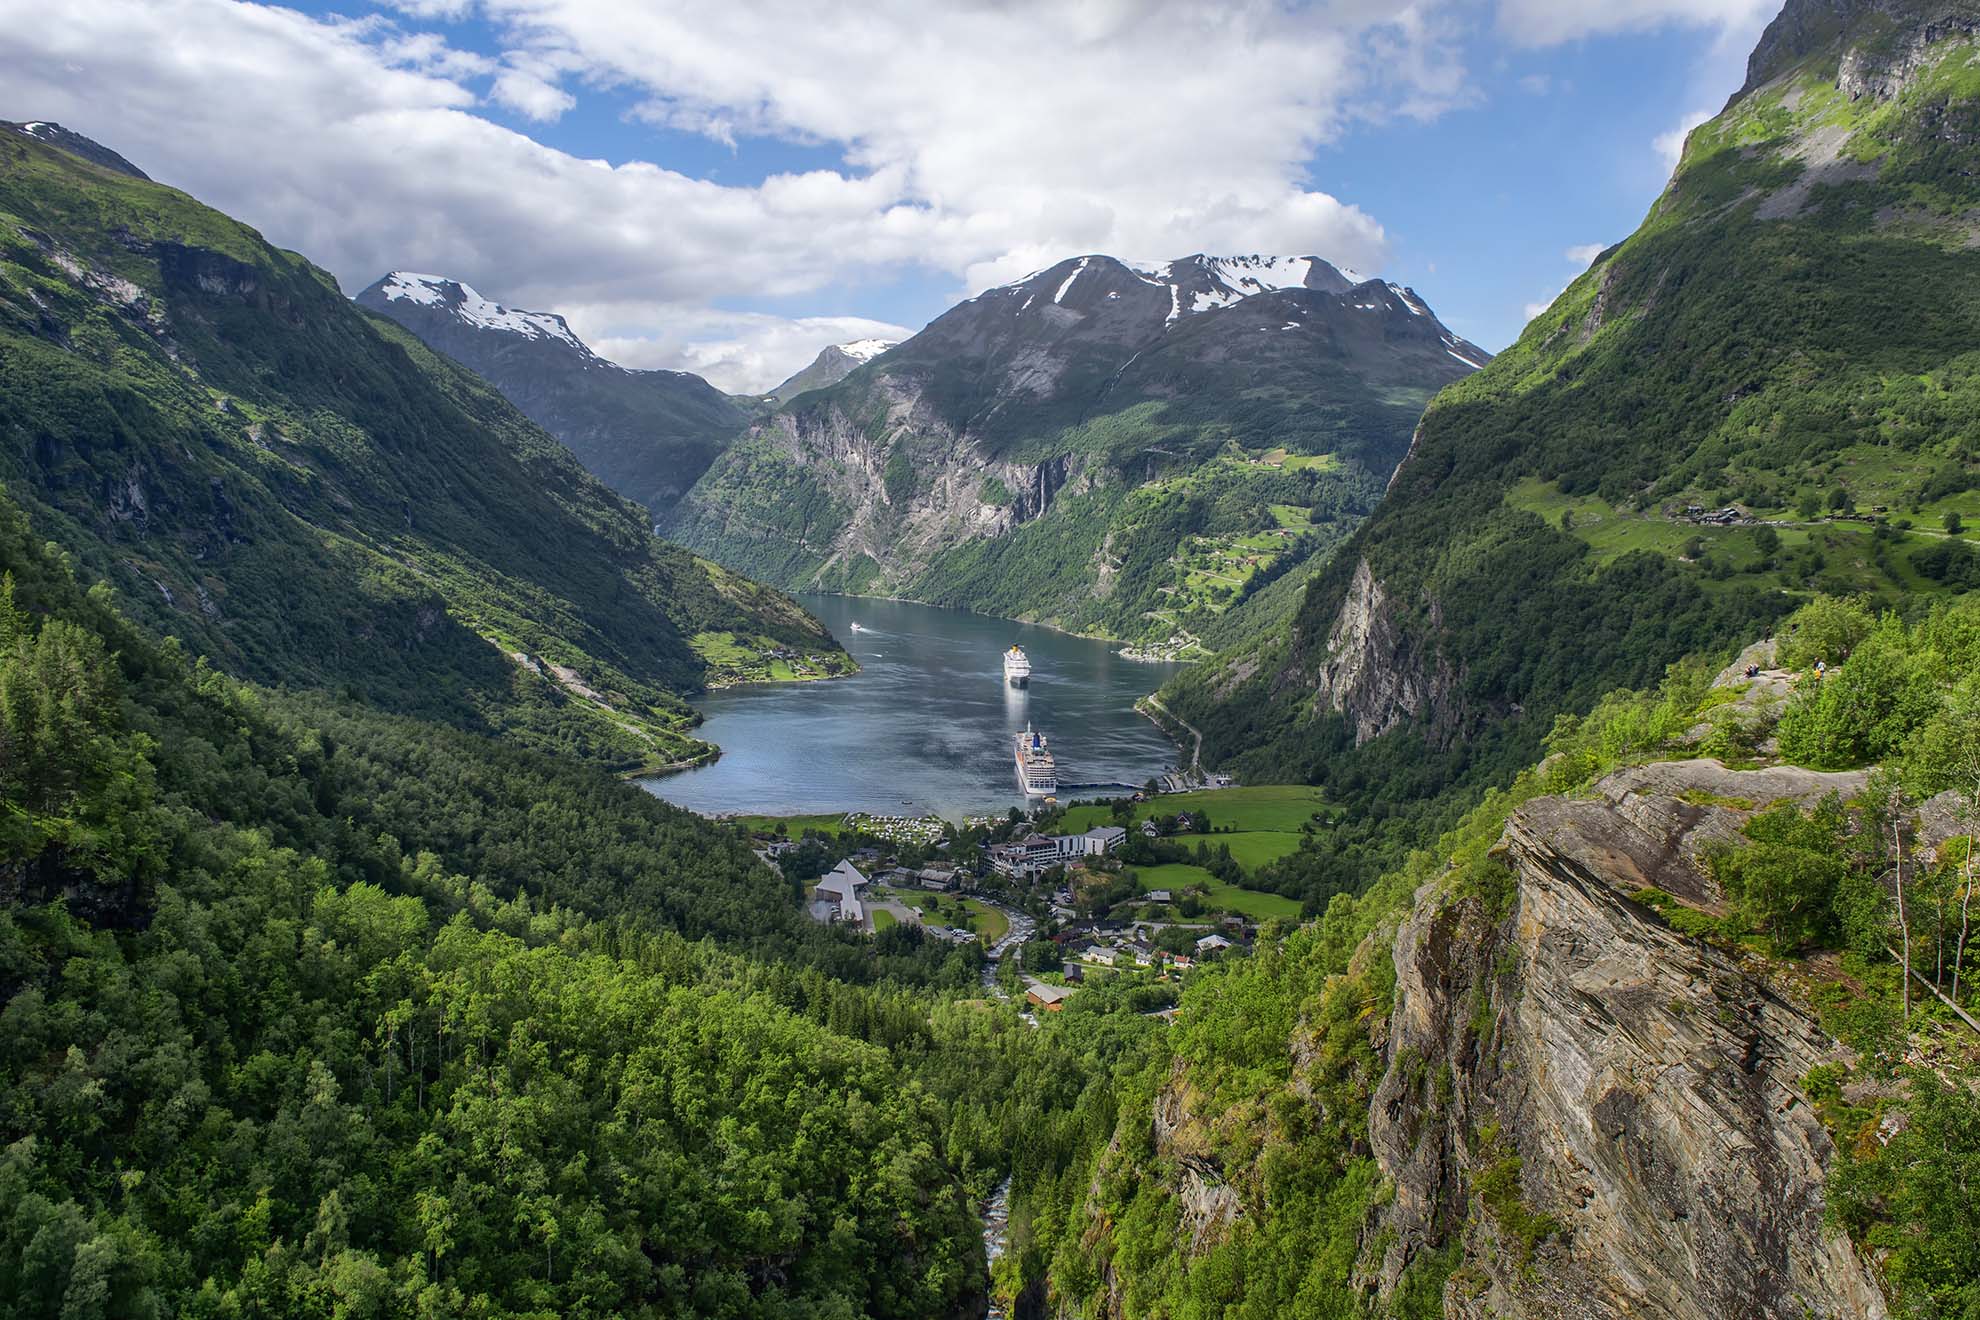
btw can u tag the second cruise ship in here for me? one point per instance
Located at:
(1017, 667)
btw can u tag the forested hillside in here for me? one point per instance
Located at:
(312, 1010)
(1635, 1029)
(305, 494)
(1787, 338)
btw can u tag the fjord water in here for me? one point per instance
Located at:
(926, 724)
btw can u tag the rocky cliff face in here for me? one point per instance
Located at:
(1626, 1100)
(1373, 669)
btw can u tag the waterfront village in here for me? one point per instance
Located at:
(1134, 893)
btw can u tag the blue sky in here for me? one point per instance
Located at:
(783, 175)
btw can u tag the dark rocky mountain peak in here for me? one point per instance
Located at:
(453, 299)
(646, 434)
(42, 130)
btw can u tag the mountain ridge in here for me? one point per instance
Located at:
(647, 434)
(306, 494)
(1098, 446)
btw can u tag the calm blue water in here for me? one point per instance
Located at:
(926, 725)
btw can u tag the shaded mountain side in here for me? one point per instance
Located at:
(646, 434)
(1770, 389)
(307, 495)
(1116, 450)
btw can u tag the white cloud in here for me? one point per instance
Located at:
(1549, 22)
(1584, 254)
(1670, 145)
(530, 95)
(1534, 309)
(981, 140)
(740, 352)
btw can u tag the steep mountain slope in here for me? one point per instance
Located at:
(1632, 1040)
(1115, 450)
(1789, 338)
(315, 1011)
(309, 496)
(833, 364)
(646, 434)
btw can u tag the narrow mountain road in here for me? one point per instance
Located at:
(1196, 756)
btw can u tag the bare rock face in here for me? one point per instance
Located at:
(1623, 1100)
(1375, 671)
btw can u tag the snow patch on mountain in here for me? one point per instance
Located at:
(1060, 296)
(866, 349)
(475, 310)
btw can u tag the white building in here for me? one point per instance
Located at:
(1212, 944)
(837, 897)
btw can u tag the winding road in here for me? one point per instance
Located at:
(1195, 757)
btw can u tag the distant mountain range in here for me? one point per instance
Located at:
(647, 434)
(833, 364)
(1125, 450)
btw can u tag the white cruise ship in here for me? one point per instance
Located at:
(1038, 773)
(1017, 667)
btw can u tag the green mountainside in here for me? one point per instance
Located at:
(1790, 336)
(1121, 452)
(1633, 1031)
(305, 494)
(311, 1010)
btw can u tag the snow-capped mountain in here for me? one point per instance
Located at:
(1049, 448)
(1197, 284)
(833, 364)
(647, 434)
(472, 310)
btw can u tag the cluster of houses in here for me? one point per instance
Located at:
(1035, 854)
(940, 877)
(840, 895)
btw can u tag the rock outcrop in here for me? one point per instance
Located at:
(1624, 1100)
(1375, 671)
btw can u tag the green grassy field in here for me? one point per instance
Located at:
(1849, 550)
(1266, 821)
(1267, 808)
(883, 920)
(1251, 849)
(795, 826)
(1230, 898)
(989, 924)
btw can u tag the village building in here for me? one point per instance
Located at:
(837, 896)
(1212, 944)
(1051, 998)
